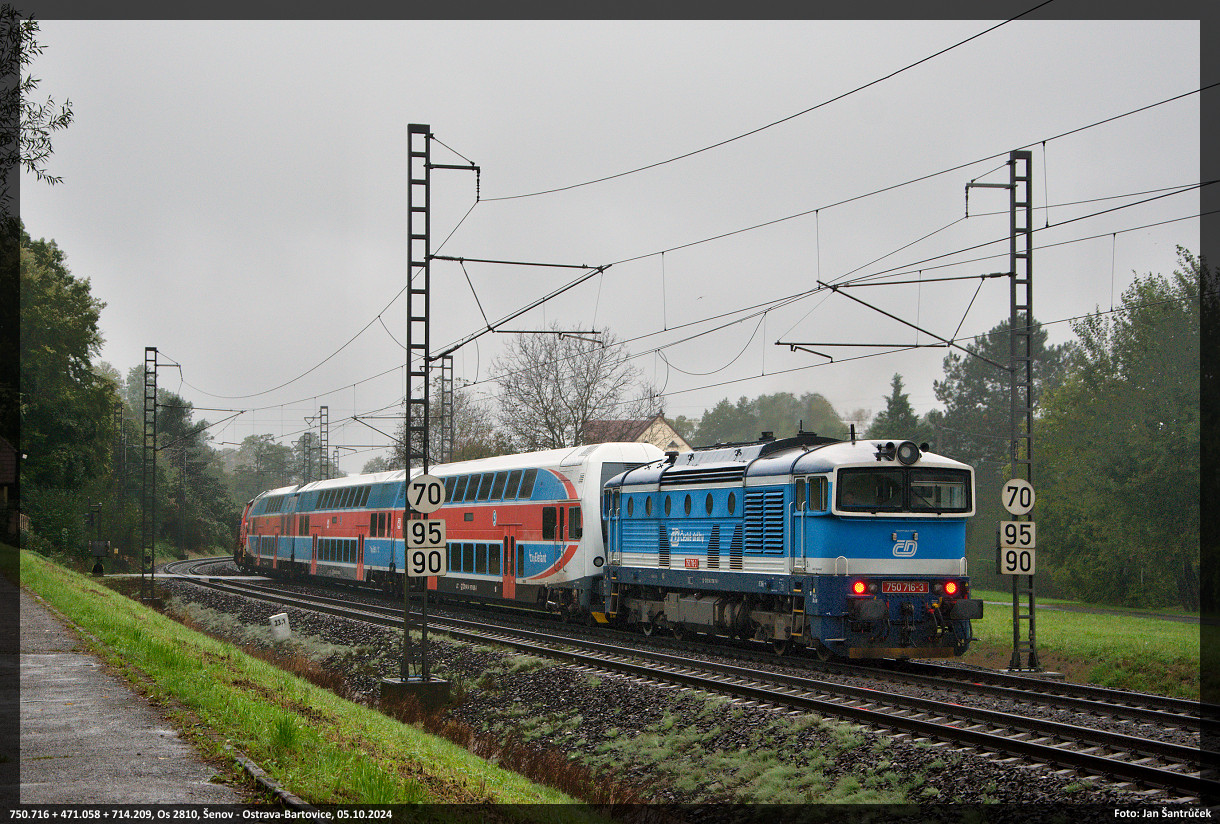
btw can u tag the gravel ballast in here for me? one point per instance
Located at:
(658, 742)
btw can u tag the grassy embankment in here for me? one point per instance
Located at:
(318, 746)
(1124, 651)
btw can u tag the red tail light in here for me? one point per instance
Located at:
(858, 588)
(951, 587)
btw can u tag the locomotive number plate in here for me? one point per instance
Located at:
(905, 587)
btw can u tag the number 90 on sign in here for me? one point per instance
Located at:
(1015, 561)
(426, 562)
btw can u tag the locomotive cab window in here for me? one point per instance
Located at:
(940, 490)
(550, 519)
(870, 490)
(909, 490)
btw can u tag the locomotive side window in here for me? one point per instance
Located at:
(514, 483)
(550, 520)
(575, 523)
(630, 505)
(817, 495)
(647, 507)
(798, 494)
(668, 505)
(686, 505)
(708, 503)
(732, 502)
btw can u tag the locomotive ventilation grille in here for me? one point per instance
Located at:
(713, 548)
(662, 546)
(764, 517)
(735, 549)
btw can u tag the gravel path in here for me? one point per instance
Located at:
(655, 742)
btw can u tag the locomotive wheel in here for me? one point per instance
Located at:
(679, 631)
(822, 651)
(781, 646)
(648, 628)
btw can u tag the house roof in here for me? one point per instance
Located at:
(606, 431)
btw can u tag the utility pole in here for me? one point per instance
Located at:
(324, 470)
(148, 495)
(447, 417)
(415, 676)
(1015, 544)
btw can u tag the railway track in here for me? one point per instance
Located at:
(1180, 770)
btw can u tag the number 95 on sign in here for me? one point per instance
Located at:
(426, 552)
(1017, 541)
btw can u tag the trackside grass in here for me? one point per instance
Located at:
(318, 746)
(1123, 651)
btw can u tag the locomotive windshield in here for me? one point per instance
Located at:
(894, 489)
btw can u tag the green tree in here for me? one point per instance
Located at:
(781, 413)
(898, 419)
(974, 427)
(1119, 444)
(552, 385)
(25, 137)
(64, 405)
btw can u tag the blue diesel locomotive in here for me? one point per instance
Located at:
(850, 548)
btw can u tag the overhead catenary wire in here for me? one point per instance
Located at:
(782, 120)
(731, 233)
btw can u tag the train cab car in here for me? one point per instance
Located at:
(851, 548)
(523, 528)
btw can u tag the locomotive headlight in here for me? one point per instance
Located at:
(908, 453)
(951, 587)
(859, 588)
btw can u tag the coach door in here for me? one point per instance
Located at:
(313, 556)
(508, 563)
(360, 558)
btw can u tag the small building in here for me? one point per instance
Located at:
(655, 430)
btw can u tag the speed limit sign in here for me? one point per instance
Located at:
(1018, 496)
(427, 554)
(425, 493)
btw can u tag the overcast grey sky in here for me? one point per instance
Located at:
(236, 194)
